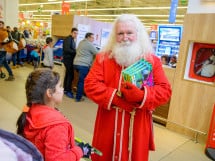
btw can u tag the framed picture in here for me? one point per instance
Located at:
(202, 64)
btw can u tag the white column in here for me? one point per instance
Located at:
(201, 6)
(10, 11)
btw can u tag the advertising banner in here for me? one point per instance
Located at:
(173, 10)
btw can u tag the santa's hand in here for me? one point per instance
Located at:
(131, 93)
(120, 102)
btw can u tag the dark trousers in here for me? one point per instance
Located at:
(3, 62)
(69, 76)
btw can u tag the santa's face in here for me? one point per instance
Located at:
(125, 32)
(127, 48)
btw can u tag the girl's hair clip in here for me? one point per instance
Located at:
(25, 108)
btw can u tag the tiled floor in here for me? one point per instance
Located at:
(170, 146)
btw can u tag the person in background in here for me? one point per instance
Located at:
(83, 61)
(8, 28)
(43, 124)
(48, 61)
(123, 126)
(16, 36)
(165, 59)
(69, 52)
(26, 33)
(2, 74)
(9, 31)
(173, 61)
(36, 57)
(3, 61)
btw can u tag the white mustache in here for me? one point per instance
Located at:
(125, 43)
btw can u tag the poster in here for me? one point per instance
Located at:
(104, 36)
(82, 30)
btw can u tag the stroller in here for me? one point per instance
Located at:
(16, 148)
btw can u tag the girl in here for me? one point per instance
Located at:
(42, 124)
(48, 61)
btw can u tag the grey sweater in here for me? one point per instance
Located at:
(85, 53)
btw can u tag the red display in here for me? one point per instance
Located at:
(202, 66)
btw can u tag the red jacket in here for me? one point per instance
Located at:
(112, 126)
(52, 134)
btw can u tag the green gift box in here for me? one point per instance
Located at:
(139, 73)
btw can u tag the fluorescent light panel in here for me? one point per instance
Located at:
(164, 16)
(49, 3)
(136, 15)
(157, 20)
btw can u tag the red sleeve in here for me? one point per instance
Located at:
(60, 145)
(95, 87)
(161, 92)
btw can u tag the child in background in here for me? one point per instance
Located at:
(173, 61)
(35, 57)
(44, 125)
(48, 61)
(165, 59)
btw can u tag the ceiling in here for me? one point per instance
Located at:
(149, 11)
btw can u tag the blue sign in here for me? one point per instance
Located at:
(172, 12)
(153, 35)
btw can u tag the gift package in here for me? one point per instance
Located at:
(139, 73)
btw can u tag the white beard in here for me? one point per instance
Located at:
(126, 53)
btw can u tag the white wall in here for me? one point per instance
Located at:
(11, 12)
(200, 6)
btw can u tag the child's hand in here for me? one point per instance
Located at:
(86, 148)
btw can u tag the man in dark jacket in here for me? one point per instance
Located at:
(69, 52)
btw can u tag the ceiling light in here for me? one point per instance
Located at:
(49, 3)
(130, 8)
(136, 15)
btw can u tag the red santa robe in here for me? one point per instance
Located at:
(122, 135)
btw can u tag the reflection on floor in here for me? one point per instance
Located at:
(170, 146)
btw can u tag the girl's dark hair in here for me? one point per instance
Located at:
(48, 40)
(36, 86)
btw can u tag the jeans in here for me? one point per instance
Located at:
(83, 71)
(36, 62)
(16, 59)
(3, 62)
